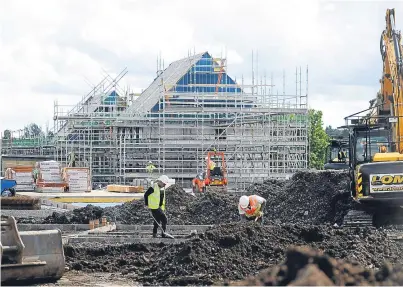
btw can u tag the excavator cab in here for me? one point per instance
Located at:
(337, 154)
(216, 174)
(367, 142)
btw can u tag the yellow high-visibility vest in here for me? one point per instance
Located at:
(211, 165)
(154, 198)
(150, 168)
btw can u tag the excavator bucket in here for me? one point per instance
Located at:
(30, 255)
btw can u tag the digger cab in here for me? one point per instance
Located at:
(337, 155)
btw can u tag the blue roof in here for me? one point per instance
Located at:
(111, 99)
(184, 76)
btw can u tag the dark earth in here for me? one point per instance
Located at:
(300, 212)
(306, 267)
(230, 252)
(308, 197)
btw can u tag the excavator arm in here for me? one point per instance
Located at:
(391, 92)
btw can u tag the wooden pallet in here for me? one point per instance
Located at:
(20, 202)
(124, 188)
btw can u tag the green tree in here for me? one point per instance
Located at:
(7, 134)
(318, 140)
(336, 133)
(33, 130)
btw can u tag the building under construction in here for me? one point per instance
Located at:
(192, 106)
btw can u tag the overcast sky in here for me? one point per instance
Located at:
(49, 50)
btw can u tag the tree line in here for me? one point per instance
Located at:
(30, 131)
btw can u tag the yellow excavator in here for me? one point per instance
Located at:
(376, 143)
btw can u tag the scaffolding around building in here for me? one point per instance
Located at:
(191, 107)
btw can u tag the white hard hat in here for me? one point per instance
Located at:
(244, 201)
(150, 161)
(206, 158)
(164, 179)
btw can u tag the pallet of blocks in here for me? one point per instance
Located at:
(124, 188)
(23, 176)
(50, 177)
(78, 179)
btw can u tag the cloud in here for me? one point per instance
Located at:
(47, 56)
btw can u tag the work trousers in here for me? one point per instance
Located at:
(161, 218)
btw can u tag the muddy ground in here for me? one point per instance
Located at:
(299, 212)
(230, 252)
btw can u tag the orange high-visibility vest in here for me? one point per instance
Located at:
(254, 206)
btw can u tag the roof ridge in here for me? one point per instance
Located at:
(190, 57)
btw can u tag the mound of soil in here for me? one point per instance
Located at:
(230, 252)
(308, 197)
(307, 267)
(313, 197)
(133, 212)
(181, 208)
(76, 216)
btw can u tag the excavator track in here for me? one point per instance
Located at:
(362, 219)
(358, 218)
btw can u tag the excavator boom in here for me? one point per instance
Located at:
(392, 80)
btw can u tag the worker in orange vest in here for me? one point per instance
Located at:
(252, 207)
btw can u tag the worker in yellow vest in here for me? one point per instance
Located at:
(150, 167)
(154, 199)
(210, 164)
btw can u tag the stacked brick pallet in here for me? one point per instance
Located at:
(78, 179)
(50, 177)
(23, 176)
